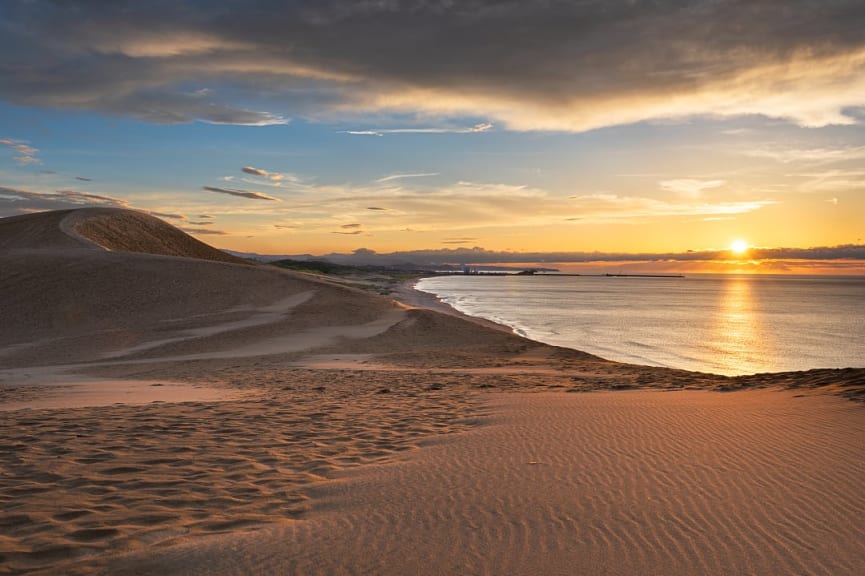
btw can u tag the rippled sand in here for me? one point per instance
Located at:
(639, 482)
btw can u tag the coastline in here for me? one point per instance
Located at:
(406, 293)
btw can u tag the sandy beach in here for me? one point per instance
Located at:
(165, 409)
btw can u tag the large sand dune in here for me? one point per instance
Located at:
(84, 285)
(167, 409)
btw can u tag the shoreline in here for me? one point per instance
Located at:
(407, 294)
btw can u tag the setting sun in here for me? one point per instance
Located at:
(739, 247)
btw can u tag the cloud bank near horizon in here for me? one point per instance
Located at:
(481, 256)
(521, 64)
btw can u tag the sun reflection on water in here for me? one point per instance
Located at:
(737, 334)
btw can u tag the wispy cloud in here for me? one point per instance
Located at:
(168, 215)
(26, 152)
(817, 156)
(241, 193)
(15, 201)
(459, 240)
(615, 208)
(483, 127)
(393, 177)
(204, 231)
(689, 187)
(270, 178)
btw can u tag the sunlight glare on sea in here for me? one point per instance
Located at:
(736, 324)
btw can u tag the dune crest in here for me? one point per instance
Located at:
(112, 229)
(130, 231)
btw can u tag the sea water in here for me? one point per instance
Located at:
(732, 325)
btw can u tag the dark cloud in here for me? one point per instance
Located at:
(205, 231)
(375, 208)
(531, 63)
(241, 193)
(459, 240)
(254, 171)
(201, 223)
(350, 226)
(83, 179)
(352, 233)
(168, 215)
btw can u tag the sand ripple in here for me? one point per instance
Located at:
(757, 482)
(79, 484)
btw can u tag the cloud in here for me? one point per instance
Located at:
(15, 201)
(689, 187)
(392, 177)
(478, 255)
(168, 215)
(816, 156)
(483, 127)
(204, 231)
(83, 179)
(569, 65)
(255, 171)
(276, 179)
(350, 226)
(613, 208)
(465, 205)
(459, 240)
(241, 193)
(27, 153)
(352, 233)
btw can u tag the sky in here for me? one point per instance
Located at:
(474, 130)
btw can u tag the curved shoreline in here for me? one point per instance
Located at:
(407, 294)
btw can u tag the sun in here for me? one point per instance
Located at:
(739, 247)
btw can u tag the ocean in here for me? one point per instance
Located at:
(732, 324)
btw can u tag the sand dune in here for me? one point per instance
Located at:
(69, 301)
(285, 411)
(625, 483)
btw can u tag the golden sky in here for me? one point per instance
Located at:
(512, 127)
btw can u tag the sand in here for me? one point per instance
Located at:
(164, 414)
(605, 483)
